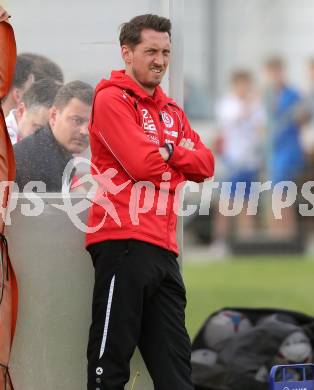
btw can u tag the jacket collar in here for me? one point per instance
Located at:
(119, 79)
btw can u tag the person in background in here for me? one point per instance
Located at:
(44, 155)
(33, 111)
(43, 67)
(284, 152)
(305, 116)
(241, 121)
(23, 79)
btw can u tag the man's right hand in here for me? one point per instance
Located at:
(4, 16)
(164, 153)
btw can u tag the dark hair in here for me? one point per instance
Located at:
(43, 67)
(75, 89)
(241, 75)
(41, 93)
(130, 33)
(23, 69)
(274, 62)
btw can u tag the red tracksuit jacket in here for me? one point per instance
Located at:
(136, 199)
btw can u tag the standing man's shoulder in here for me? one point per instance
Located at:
(112, 102)
(110, 95)
(172, 105)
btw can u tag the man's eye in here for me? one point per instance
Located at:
(77, 121)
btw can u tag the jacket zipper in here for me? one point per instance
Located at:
(160, 131)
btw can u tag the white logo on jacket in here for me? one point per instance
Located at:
(167, 119)
(148, 122)
(172, 133)
(154, 139)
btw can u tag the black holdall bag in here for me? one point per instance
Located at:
(242, 358)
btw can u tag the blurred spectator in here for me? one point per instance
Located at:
(43, 67)
(44, 155)
(23, 79)
(32, 112)
(241, 119)
(285, 156)
(305, 115)
(306, 120)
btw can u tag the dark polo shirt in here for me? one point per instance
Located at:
(40, 157)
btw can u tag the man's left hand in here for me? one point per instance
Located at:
(187, 143)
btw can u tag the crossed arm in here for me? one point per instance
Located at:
(190, 157)
(185, 143)
(114, 125)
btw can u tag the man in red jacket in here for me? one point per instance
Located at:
(143, 150)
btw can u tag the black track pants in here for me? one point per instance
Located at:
(139, 299)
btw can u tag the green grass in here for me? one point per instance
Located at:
(286, 282)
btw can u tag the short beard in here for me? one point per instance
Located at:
(146, 84)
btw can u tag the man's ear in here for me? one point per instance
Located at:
(126, 53)
(52, 116)
(20, 110)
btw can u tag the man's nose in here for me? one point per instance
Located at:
(159, 59)
(84, 129)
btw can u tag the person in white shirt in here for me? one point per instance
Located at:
(32, 112)
(241, 118)
(11, 123)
